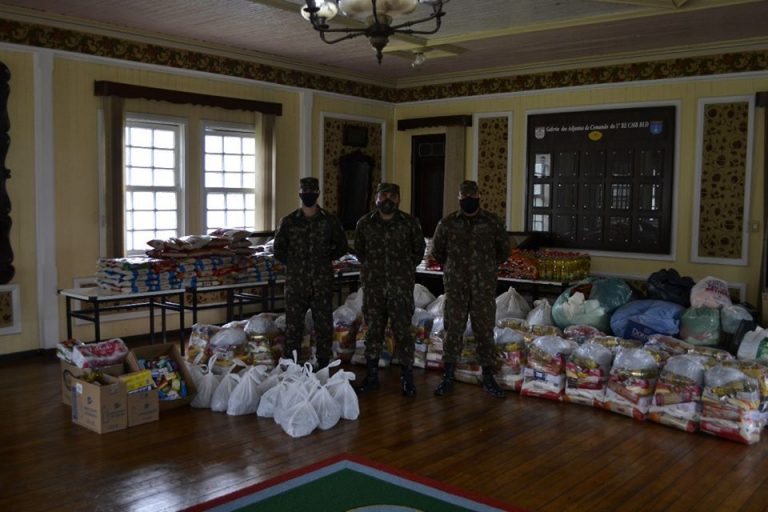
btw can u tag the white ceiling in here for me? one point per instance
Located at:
(478, 37)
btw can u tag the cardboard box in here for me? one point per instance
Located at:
(70, 372)
(143, 407)
(149, 352)
(101, 406)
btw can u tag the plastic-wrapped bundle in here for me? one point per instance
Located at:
(199, 341)
(674, 346)
(581, 333)
(717, 353)
(701, 326)
(639, 319)
(631, 383)
(467, 367)
(511, 347)
(227, 345)
(544, 373)
(758, 370)
(344, 329)
(616, 344)
(730, 405)
(511, 304)
(421, 325)
(434, 355)
(262, 324)
(541, 314)
(586, 373)
(677, 397)
(545, 330)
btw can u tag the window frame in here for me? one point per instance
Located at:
(179, 127)
(223, 128)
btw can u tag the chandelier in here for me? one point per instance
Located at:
(378, 17)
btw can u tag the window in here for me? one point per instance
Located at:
(153, 184)
(602, 179)
(230, 178)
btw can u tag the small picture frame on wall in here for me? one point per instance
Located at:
(10, 309)
(355, 136)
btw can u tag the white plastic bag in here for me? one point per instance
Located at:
(341, 390)
(710, 292)
(229, 381)
(437, 306)
(511, 304)
(300, 420)
(541, 314)
(244, 399)
(422, 297)
(328, 410)
(206, 386)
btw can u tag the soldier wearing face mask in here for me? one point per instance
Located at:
(389, 244)
(470, 243)
(307, 242)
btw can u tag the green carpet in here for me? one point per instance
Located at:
(350, 483)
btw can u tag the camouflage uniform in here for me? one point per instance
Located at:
(389, 251)
(308, 246)
(471, 248)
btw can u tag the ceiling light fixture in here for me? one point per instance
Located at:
(378, 17)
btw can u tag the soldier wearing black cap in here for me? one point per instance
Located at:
(389, 244)
(307, 241)
(470, 243)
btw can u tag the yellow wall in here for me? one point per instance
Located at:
(21, 189)
(76, 163)
(687, 93)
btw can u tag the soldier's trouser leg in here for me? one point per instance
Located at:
(455, 317)
(322, 317)
(376, 315)
(483, 317)
(296, 305)
(400, 306)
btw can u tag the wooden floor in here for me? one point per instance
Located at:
(533, 453)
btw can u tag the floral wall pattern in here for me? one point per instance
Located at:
(492, 160)
(723, 171)
(335, 149)
(43, 36)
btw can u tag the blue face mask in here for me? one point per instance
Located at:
(309, 199)
(469, 204)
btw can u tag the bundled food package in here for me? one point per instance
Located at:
(245, 398)
(639, 319)
(99, 354)
(345, 326)
(731, 316)
(421, 324)
(511, 348)
(511, 304)
(586, 374)
(757, 370)
(544, 372)
(199, 342)
(388, 347)
(716, 353)
(227, 384)
(616, 344)
(631, 383)
(437, 306)
(262, 324)
(467, 366)
(677, 396)
(354, 301)
(710, 292)
(700, 326)
(730, 405)
(581, 333)
(340, 388)
(434, 355)
(206, 386)
(227, 345)
(670, 344)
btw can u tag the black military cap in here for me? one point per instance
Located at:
(388, 187)
(309, 184)
(468, 188)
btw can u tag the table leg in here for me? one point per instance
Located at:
(181, 321)
(163, 325)
(69, 317)
(96, 321)
(152, 320)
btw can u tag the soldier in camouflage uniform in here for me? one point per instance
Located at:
(470, 244)
(307, 241)
(389, 244)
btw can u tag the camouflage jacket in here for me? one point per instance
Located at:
(308, 245)
(389, 250)
(470, 248)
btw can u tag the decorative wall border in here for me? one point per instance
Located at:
(696, 220)
(15, 326)
(44, 36)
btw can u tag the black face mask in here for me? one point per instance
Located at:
(309, 199)
(469, 204)
(386, 206)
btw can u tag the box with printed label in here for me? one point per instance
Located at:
(143, 407)
(101, 405)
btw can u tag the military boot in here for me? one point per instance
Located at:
(371, 380)
(406, 381)
(446, 386)
(490, 384)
